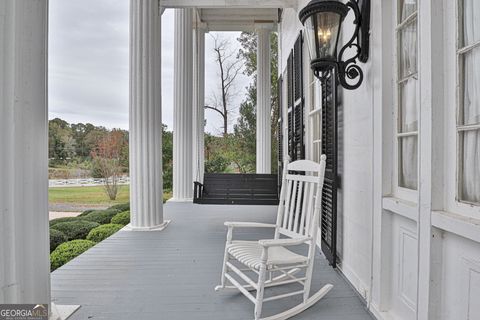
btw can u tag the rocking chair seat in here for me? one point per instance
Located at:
(249, 253)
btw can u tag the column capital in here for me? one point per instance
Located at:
(200, 26)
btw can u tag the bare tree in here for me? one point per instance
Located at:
(106, 160)
(229, 68)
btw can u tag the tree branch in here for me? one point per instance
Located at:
(213, 108)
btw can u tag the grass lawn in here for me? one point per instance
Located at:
(90, 195)
(86, 195)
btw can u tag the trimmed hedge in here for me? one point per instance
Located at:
(64, 219)
(86, 212)
(101, 216)
(75, 229)
(56, 239)
(122, 218)
(102, 232)
(121, 207)
(67, 251)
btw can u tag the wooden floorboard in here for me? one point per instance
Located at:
(171, 274)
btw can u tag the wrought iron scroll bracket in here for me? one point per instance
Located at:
(348, 68)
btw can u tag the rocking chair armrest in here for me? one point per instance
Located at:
(283, 242)
(237, 224)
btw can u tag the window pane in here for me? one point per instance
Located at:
(470, 166)
(408, 49)
(408, 175)
(317, 152)
(317, 127)
(407, 7)
(409, 101)
(471, 22)
(317, 93)
(471, 87)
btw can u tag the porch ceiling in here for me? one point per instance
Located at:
(235, 19)
(229, 3)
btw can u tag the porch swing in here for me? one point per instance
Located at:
(236, 188)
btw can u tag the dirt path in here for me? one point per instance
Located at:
(58, 214)
(70, 207)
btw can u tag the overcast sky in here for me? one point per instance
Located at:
(88, 64)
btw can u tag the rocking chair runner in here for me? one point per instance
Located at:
(298, 219)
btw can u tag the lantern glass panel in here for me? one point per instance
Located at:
(322, 35)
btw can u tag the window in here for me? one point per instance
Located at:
(468, 111)
(407, 94)
(315, 117)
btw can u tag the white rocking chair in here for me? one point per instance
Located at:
(298, 219)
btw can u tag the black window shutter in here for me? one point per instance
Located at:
(290, 107)
(280, 132)
(330, 185)
(298, 70)
(296, 103)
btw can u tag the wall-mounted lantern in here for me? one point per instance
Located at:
(322, 20)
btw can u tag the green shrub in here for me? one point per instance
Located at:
(122, 218)
(101, 216)
(56, 239)
(96, 169)
(86, 212)
(217, 164)
(64, 219)
(67, 251)
(75, 229)
(167, 195)
(121, 207)
(102, 232)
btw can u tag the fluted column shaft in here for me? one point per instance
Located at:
(146, 183)
(264, 135)
(199, 103)
(183, 106)
(24, 234)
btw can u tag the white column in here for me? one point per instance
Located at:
(199, 103)
(24, 234)
(264, 134)
(146, 183)
(183, 106)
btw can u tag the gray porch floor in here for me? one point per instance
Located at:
(171, 274)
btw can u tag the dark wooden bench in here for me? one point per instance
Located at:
(231, 188)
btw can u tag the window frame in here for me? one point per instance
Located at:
(460, 51)
(314, 118)
(399, 25)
